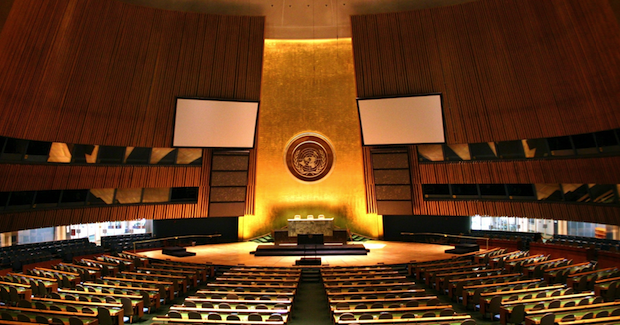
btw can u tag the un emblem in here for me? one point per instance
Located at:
(309, 157)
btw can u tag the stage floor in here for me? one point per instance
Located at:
(380, 252)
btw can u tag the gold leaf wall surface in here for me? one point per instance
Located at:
(309, 86)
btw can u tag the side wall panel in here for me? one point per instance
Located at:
(104, 72)
(507, 70)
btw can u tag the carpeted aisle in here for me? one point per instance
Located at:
(310, 305)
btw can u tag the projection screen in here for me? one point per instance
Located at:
(401, 120)
(210, 123)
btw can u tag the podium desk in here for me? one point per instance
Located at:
(323, 226)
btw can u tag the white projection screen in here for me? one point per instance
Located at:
(208, 123)
(401, 120)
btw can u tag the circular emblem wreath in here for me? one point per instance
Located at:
(309, 157)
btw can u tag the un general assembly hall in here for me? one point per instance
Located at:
(310, 162)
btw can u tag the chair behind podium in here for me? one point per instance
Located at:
(310, 239)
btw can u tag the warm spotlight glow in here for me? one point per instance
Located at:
(309, 86)
(374, 245)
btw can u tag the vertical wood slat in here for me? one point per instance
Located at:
(369, 181)
(41, 177)
(108, 73)
(416, 187)
(603, 170)
(49, 218)
(508, 69)
(251, 185)
(205, 183)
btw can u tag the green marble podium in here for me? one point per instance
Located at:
(323, 226)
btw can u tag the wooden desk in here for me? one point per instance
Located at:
(374, 292)
(343, 279)
(234, 284)
(552, 273)
(259, 279)
(189, 275)
(468, 291)
(433, 320)
(179, 281)
(155, 293)
(32, 315)
(507, 307)
(533, 317)
(49, 283)
(429, 274)
(440, 279)
(352, 301)
(323, 226)
(210, 321)
(137, 301)
(112, 268)
(168, 285)
(110, 306)
(24, 291)
(129, 266)
(115, 313)
(94, 272)
(203, 272)
(485, 297)
(232, 311)
(242, 301)
(453, 284)
(601, 286)
(357, 285)
(494, 261)
(598, 320)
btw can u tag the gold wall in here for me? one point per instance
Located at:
(309, 86)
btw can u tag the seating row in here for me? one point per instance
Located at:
(519, 292)
(235, 298)
(398, 300)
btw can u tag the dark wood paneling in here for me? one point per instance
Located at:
(106, 72)
(391, 181)
(48, 218)
(608, 259)
(233, 209)
(394, 207)
(229, 196)
(369, 180)
(605, 170)
(55, 177)
(507, 69)
(205, 181)
(577, 254)
(251, 184)
(562, 211)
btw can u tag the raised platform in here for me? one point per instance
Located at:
(239, 253)
(309, 250)
(176, 251)
(309, 261)
(463, 249)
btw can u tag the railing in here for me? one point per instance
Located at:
(444, 235)
(173, 238)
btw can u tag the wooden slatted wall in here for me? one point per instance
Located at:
(108, 73)
(605, 170)
(508, 70)
(42, 177)
(592, 170)
(55, 217)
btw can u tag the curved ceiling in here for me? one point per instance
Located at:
(298, 19)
